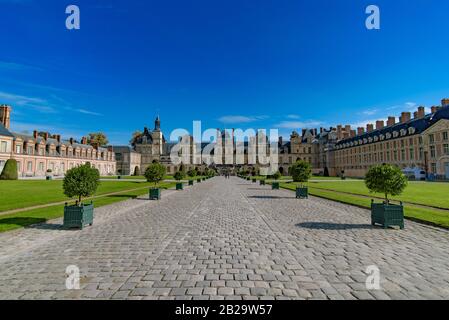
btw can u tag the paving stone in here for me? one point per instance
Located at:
(226, 239)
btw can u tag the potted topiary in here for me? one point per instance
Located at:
(300, 172)
(81, 181)
(388, 180)
(179, 175)
(49, 175)
(275, 184)
(155, 173)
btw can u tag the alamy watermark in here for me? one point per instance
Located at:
(372, 22)
(373, 280)
(73, 278)
(73, 21)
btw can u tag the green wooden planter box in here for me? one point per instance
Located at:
(204, 179)
(275, 185)
(179, 186)
(302, 193)
(254, 180)
(155, 194)
(190, 182)
(387, 215)
(262, 182)
(78, 216)
(198, 180)
(49, 178)
(248, 178)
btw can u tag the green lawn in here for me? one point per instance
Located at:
(26, 193)
(434, 216)
(426, 193)
(26, 218)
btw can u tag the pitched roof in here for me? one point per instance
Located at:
(5, 132)
(412, 127)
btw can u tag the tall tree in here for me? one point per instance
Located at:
(135, 135)
(97, 138)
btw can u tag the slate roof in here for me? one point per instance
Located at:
(412, 127)
(5, 132)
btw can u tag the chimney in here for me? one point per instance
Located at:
(58, 137)
(46, 135)
(391, 121)
(360, 131)
(353, 133)
(415, 115)
(445, 103)
(35, 134)
(421, 112)
(405, 117)
(321, 130)
(83, 140)
(347, 128)
(369, 127)
(280, 140)
(71, 140)
(434, 109)
(380, 124)
(5, 116)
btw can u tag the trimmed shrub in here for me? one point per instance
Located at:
(300, 171)
(155, 173)
(81, 181)
(386, 179)
(277, 175)
(179, 175)
(10, 170)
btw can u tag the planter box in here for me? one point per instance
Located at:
(78, 216)
(248, 178)
(254, 180)
(155, 194)
(198, 180)
(275, 185)
(262, 182)
(190, 182)
(179, 186)
(119, 177)
(387, 215)
(49, 178)
(204, 179)
(302, 193)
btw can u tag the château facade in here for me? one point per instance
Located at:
(420, 141)
(41, 151)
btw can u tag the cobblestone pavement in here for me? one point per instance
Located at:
(226, 239)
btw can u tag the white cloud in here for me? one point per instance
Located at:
(293, 116)
(19, 99)
(241, 119)
(298, 124)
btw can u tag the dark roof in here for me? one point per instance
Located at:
(412, 127)
(5, 132)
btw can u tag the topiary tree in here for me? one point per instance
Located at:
(10, 170)
(155, 173)
(386, 179)
(81, 181)
(277, 175)
(300, 171)
(179, 175)
(192, 173)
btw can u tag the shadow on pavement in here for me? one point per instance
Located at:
(270, 197)
(333, 226)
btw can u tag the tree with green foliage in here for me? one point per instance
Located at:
(277, 175)
(386, 179)
(192, 173)
(300, 171)
(97, 139)
(179, 175)
(81, 181)
(155, 173)
(10, 170)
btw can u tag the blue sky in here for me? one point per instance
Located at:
(243, 64)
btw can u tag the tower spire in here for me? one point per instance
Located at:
(157, 123)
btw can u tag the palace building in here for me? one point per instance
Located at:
(419, 141)
(41, 151)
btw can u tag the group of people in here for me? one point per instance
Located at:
(227, 175)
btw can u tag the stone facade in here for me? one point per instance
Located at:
(420, 142)
(39, 152)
